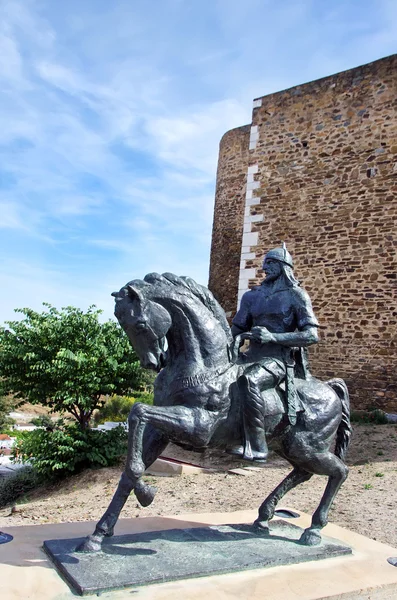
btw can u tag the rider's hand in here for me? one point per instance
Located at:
(262, 335)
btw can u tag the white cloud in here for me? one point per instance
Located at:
(10, 60)
(10, 216)
(77, 205)
(111, 117)
(190, 140)
(29, 285)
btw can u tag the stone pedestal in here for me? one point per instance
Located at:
(26, 572)
(155, 557)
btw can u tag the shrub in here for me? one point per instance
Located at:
(14, 433)
(376, 416)
(117, 408)
(23, 481)
(145, 397)
(67, 360)
(5, 407)
(43, 421)
(69, 449)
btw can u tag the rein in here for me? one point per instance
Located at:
(182, 383)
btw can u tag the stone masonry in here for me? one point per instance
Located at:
(229, 216)
(317, 168)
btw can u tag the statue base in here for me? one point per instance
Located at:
(159, 556)
(368, 572)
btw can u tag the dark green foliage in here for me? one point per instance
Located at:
(117, 408)
(69, 449)
(376, 416)
(67, 360)
(5, 408)
(13, 433)
(23, 481)
(144, 397)
(43, 421)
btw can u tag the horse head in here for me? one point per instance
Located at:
(145, 322)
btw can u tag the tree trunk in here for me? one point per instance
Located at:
(84, 419)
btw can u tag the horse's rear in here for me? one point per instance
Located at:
(344, 432)
(308, 447)
(325, 418)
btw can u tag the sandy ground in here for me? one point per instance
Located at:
(366, 502)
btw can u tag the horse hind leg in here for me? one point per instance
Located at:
(337, 471)
(153, 444)
(266, 510)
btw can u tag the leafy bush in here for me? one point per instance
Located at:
(13, 433)
(43, 421)
(117, 408)
(376, 416)
(67, 360)
(145, 397)
(69, 449)
(23, 481)
(5, 408)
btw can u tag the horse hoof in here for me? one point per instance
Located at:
(109, 533)
(261, 527)
(90, 544)
(145, 494)
(310, 537)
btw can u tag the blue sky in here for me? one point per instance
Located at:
(111, 114)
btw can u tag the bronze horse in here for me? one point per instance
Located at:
(178, 329)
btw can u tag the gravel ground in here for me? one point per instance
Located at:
(366, 502)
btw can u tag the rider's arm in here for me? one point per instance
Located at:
(243, 319)
(306, 332)
(236, 330)
(306, 337)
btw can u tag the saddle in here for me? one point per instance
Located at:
(296, 363)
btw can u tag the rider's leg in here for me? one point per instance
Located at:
(255, 380)
(255, 446)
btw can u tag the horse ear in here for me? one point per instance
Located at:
(133, 292)
(115, 294)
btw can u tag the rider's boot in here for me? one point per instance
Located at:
(255, 447)
(255, 444)
(254, 422)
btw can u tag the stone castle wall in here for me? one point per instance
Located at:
(321, 175)
(229, 217)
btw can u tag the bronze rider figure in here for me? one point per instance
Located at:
(279, 317)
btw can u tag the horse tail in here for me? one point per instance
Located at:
(344, 432)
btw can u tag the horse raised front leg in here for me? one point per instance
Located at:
(337, 471)
(266, 511)
(193, 426)
(153, 444)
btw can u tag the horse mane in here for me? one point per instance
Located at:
(193, 288)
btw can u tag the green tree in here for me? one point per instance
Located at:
(66, 360)
(5, 408)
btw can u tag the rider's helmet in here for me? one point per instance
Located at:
(280, 254)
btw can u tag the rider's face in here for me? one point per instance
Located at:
(272, 269)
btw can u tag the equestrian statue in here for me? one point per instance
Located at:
(211, 391)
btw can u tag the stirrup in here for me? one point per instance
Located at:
(236, 451)
(255, 455)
